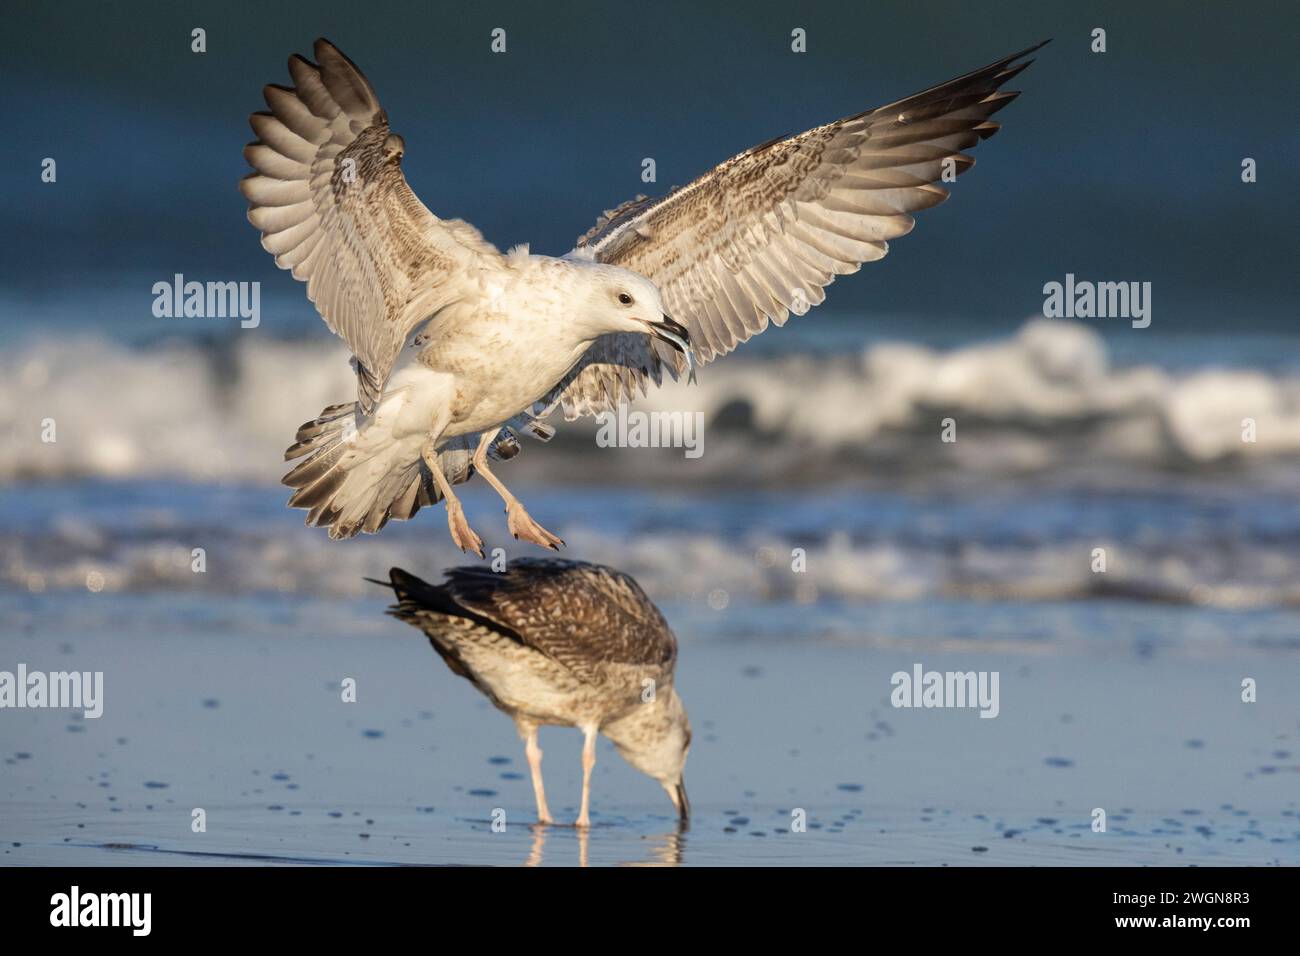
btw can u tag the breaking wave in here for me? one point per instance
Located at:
(710, 550)
(1045, 398)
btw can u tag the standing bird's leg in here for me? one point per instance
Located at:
(588, 762)
(461, 532)
(534, 754)
(519, 521)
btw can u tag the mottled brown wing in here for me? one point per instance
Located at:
(333, 206)
(612, 371)
(581, 615)
(764, 233)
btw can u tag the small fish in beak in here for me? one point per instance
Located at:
(679, 337)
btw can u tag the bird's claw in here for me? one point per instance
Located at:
(461, 533)
(523, 526)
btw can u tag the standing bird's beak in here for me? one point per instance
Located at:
(676, 335)
(678, 795)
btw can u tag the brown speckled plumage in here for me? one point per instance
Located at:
(333, 206)
(554, 642)
(732, 251)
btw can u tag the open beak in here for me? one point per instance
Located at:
(678, 336)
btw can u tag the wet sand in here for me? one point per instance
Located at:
(250, 727)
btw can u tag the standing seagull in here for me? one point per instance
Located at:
(457, 347)
(564, 643)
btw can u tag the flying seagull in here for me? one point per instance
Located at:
(554, 642)
(458, 348)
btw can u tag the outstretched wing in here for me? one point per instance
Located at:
(763, 234)
(333, 206)
(581, 615)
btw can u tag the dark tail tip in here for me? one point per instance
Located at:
(404, 583)
(401, 582)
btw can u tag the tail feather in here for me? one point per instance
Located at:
(322, 515)
(321, 490)
(417, 495)
(305, 475)
(310, 433)
(428, 607)
(397, 497)
(411, 591)
(355, 481)
(368, 492)
(350, 486)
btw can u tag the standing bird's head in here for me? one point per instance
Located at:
(655, 738)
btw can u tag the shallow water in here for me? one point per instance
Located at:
(236, 709)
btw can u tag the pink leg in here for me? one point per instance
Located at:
(534, 754)
(588, 762)
(518, 520)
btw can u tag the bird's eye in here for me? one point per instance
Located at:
(625, 298)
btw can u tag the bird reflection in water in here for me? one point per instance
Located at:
(663, 849)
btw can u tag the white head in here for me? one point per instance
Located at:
(619, 300)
